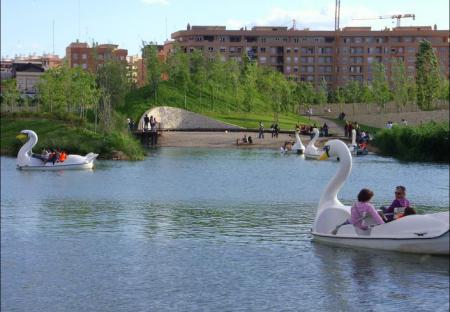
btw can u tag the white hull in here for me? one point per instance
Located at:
(438, 245)
(312, 156)
(59, 166)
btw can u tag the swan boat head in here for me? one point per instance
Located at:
(24, 154)
(298, 146)
(311, 149)
(330, 210)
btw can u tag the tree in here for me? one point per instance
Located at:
(153, 65)
(427, 75)
(353, 93)
(65, 89)
(179, 71)
(380, 86)
(400, 84)
(322, 93)
(249, 79)
(112, 78)
(10, 94)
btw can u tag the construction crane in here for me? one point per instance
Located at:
(397, 16)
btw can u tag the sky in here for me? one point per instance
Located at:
(27, 25)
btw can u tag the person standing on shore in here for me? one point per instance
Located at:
(261, 131)
(154, 131)
(146, 122)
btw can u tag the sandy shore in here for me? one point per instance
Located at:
(227, 140)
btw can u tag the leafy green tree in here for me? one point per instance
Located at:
(249, 81)
(380, 86)
(153, 66)
(400, 84)
(322, 93)
(179, 71)
(427, 75)
(10, 94)
(112, 78)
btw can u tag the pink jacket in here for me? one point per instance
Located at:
(359, 210)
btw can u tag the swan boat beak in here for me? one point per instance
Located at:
(21, 136)
(325, 155)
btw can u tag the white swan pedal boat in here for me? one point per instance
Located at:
(298, 146)
(354, 148)
(26, 161)
(422, 234)
(311, 150)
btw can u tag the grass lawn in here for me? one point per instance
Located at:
(251, 120)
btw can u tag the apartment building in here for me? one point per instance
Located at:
(136, 70)
(307, 55)
(90, 57)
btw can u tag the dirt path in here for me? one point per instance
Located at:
(333, 127)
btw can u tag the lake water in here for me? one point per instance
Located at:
(207, 230)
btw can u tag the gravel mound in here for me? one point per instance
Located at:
(171, 118)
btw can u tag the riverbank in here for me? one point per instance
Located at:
(228, 139)
(71, 134)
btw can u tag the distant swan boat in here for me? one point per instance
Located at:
(26, 161)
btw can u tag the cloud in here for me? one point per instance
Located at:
(157, 2)
(312, 18)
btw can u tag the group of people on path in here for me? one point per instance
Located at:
(150, 124)
(50, 155)
(362, 209)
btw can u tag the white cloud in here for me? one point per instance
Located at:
(157, 2)
(312, 18)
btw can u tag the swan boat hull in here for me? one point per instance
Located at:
(438, 245)
(59, 166)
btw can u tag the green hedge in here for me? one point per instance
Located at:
(427, 142)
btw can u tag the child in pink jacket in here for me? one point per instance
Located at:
(362, 208)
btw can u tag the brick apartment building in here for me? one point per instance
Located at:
(81, 54)
(307, 55)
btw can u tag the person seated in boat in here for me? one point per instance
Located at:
(362, 209)
(399, 204)
(52, 157)
(43, 156)
(62, 156)
(250, 140)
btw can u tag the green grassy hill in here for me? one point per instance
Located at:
(223, 107)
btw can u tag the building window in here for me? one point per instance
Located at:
(84, 65)
(75, 56)
(308, 50)
(210, 49)
(223, 49)
(288, 59)
(262, 59)
(263, 50)
(295, 50)
(288, 50)
(84, 56)
(295, 59)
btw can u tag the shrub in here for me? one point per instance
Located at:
(427, 142)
